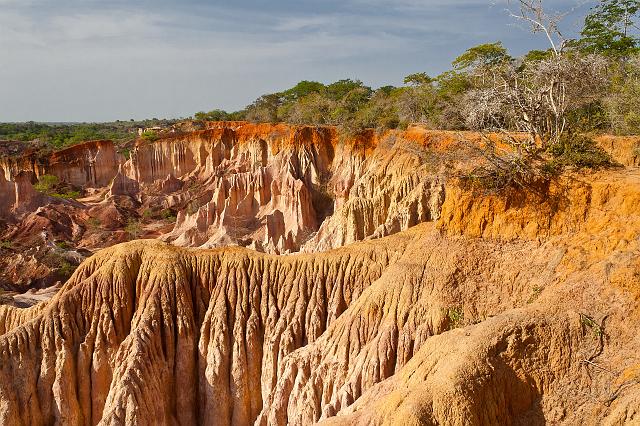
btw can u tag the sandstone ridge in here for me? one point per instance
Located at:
(431, 325)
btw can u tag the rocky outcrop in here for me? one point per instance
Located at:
(89, 164)
(276, 188)
(271, 187)
(624, 149)
(123, 185)
(7, 195)
(18, 196)
(428, 326)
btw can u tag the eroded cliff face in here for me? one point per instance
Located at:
(423, 301)
(428, 326)
(274, 188)
(89, 164)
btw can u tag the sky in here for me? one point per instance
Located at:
(102, 60)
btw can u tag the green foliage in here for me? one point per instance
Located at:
(302, 89)
(482, 56)
(61, 135)
(589, 118)
(149, 136)
(63, 245)
(51, 185)
(126, 153)
(578, 151)
(342, 88)
(311, 109)
(607, 29)
(418, 79)
(455, 315)
(168, 215)
(265, 108)
(133, 228)
(622, 105)
(214, 115)
(62, 266)
(6, 244)
(46, 183)
(537, 55)
(66, 269)
(69, 195)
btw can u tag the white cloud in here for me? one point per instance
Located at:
(87, 60)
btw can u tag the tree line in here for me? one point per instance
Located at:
(598, 73)
(543, 104)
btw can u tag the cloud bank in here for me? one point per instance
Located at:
(87, 60)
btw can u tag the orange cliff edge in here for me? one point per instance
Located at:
(415, 300)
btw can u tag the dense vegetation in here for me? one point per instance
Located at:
(442, 101)
(60, 135)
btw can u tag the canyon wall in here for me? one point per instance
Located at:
(273, 187)
(428, 326)
(92, 163)
(423, 301)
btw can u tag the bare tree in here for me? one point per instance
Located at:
(539, 20)
(528, 104)
(536, 100)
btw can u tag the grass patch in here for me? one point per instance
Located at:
(455, 315)
(589, 323)
(68, 195)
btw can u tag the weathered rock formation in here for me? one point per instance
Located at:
(274, 188)
(432, 325)
(92, 163)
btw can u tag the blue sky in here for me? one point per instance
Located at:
(90, 60)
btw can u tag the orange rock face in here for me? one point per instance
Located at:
(418, 327)
(421, 302)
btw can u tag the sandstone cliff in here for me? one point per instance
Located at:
(431, 325)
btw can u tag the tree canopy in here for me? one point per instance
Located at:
(610, 28)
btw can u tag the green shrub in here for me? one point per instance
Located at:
(62, 245)
(56, 261)
(46, 183)
(51, 185)
(133, 228)
(168, 215)
(578, 151)
(66, 269)
(149, 136)
(6, 244)
(455, 316)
